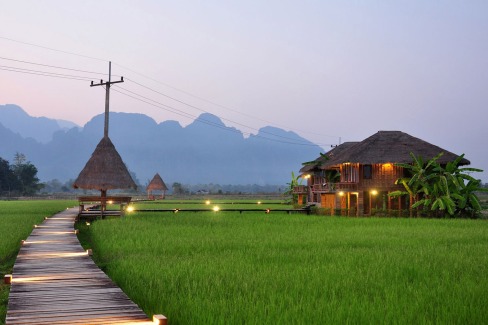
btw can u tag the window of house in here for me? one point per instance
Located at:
(367, 171)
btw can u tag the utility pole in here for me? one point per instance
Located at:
(107, 95)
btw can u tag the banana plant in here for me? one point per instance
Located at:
(439, 188)
(295, 181)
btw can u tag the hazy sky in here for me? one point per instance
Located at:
(324, 69)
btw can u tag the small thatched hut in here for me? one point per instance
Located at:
(156, 185)
(105, 171)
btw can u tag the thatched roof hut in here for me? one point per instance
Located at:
(156, 184)
(391, 147)
(105, 170)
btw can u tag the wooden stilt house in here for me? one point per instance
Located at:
(356, 177)
(156, 187)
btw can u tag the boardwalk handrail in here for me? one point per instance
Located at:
(123, 201)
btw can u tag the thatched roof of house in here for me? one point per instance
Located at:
(157, 184)
(391, 147)
(317, 163)
(105, 170)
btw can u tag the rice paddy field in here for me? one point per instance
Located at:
(252, 267)
(227, 267)
(16, 223)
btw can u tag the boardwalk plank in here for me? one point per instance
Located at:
(56, 282)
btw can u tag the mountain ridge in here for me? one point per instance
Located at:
(205, 151)
(39, 128)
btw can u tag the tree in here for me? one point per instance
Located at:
(25, 173)
(7, 178)
(178, 188)
(440, 189)
(295, 181)
(19, 158)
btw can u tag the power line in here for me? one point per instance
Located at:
(213, 103)
(184, 114)
(180, 90)
(199, 109)
(51, 66)
(43, 73)
(146, 99)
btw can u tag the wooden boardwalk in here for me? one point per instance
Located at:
(54, 281)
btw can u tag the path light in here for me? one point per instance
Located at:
(374, 192)
(267, 211)
(7, 279)
(207, 202)
(130, 208)
(87, 223)
(89, 252)
(216, 208)
(176, 210)
(259, 202)
(160, 320)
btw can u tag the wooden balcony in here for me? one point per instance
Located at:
(300, 189)
(348, 187)
(323, 188)
(326, 188)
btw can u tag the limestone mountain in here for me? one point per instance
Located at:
(38, 128)
(205, 151)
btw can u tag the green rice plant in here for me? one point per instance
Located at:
(210, 204)
(227, 268)
(17, 219)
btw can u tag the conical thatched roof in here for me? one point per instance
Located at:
(391, 147)
(317, 163)
(157, 184)
(105, 170)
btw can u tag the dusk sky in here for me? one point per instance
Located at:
(329, 70)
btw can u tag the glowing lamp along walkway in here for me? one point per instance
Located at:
(55, 281)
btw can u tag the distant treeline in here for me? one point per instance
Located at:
(19, 178)
(55, 186)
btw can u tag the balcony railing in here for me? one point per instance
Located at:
(326, 188)
(322, 187)
(346, 186)
(300, 189)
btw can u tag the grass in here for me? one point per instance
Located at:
(16, 221)
(228, 268)
(209, 204)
